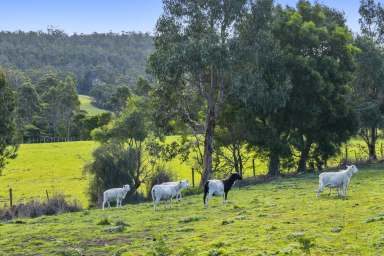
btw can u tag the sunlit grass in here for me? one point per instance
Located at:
(58, 168)
(86, 105)
(280, 218)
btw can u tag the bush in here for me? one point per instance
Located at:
(114, 166)
(159, 176)
(55, 205)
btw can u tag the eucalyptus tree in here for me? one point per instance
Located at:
(191, 63)
(261, 85)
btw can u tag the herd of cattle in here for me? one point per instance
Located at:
(169, 190)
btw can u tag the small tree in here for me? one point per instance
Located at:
(120, 159)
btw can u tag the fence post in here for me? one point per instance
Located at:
(193, 177)
(381, 150)
(356, 156)
(46, 192)
(10, 197)
(253, 167)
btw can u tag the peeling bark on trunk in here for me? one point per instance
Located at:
(208, 144)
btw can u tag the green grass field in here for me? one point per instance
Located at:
(86, 105)
(58, 168)
(283, 217)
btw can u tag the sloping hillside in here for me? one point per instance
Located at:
(86, 105)
(56, 167)
(280, 218)
(104, 57)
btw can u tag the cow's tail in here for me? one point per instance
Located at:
(206, 189)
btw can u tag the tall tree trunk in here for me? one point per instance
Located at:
(240, 160)
(235, 159)
(274, 164)
(302, 166)
(372, 145)
(208, 144)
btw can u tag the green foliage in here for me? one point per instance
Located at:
(8, 146)
(113, 166)
(317, 44)
(191, 62)
(111, 58)
(369, 73)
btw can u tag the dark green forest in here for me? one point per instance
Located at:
(97, 58)
(47, 71)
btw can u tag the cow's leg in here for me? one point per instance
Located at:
(154, 204)
(104, 204)
(321, 188)
(207, 199)
(225, 196)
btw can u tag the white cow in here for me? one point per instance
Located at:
(178, 196)
(339, 180)
(166, 192)
(115, 194)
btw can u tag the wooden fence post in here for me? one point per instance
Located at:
(10, 197)
(356, 156)
(253, 167)
(46, 192)
(193, 177)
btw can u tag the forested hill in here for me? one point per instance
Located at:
(95, 58)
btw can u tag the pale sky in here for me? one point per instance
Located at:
(88, 16)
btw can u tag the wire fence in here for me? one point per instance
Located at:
(47, 139)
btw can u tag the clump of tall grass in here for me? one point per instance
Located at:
(55, 205)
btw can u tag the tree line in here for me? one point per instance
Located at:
(242, 78)
(94, 59)
(47, 106)
(276, 80)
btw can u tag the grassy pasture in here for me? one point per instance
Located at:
(58, 168)
(283, 217)
(86, 105)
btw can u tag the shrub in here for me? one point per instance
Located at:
(55, 205)
(113, 166)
